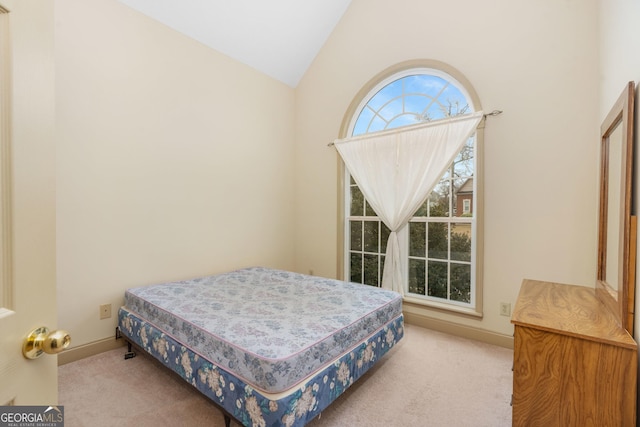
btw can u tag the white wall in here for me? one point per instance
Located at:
(173, 161)
(537, 61)
(619, 43)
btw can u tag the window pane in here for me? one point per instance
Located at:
(376, 125)
(463, 163)
(369, 210)
(385, 94)
(461, 282)
(370, 270)
(437, 279)
(423, 83)
(453, 95)
(436, 111)
(422, 210)
(363, 121)
(356, 235)
(439, 199)
(371, 236)
(417, 239)
(417, 276)
(438, 240)
(392, 109)
(416, 103)
(356, 267)
(384, 238)
(461, 242)
(357, 201)
(453, 105)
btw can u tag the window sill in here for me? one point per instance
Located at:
(447, 308)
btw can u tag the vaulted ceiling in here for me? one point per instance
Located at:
(280, 38)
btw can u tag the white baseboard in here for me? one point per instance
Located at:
(90, 349)
(459, 330)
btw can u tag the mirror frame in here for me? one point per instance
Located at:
(619, 299)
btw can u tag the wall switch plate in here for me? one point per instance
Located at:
(505, 309)
(105, 311)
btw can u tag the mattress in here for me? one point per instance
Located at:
(269, 328)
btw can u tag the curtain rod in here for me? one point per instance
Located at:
(484, 116)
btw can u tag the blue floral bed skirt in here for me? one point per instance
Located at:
(249, 406)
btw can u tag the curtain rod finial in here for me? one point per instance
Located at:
(494, 113)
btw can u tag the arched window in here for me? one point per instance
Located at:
(439, 245)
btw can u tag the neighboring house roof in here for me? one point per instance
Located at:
(467, 187)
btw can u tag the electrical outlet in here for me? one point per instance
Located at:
(505, 309)
(105, 311)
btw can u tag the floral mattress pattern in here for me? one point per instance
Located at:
(249, 406)
(270, 328)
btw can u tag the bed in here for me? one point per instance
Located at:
(269, 347)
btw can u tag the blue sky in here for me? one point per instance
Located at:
(409, 100)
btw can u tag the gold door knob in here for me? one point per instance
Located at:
(41, 340)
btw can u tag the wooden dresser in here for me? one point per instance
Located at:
(574, 365)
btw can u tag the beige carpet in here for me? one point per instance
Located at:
(429, 379)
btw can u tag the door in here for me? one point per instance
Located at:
(27, 186)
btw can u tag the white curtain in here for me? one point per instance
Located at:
(396, 170)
